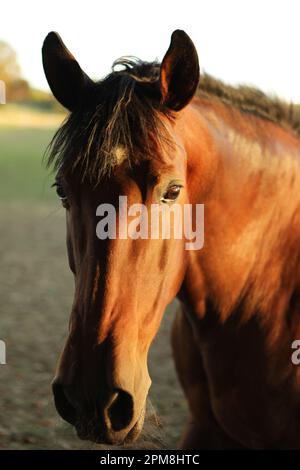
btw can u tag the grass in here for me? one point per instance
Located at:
(22, 173)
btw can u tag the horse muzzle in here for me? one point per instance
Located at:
(111, 423)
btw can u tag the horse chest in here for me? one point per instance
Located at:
(245, 401)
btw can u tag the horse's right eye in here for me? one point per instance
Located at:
(60, 192)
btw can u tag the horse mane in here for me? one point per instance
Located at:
(248, 99)
(124, 111)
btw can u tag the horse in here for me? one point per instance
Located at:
(161, 133)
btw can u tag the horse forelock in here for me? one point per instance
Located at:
(120, 119)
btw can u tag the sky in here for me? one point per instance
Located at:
(253, 42)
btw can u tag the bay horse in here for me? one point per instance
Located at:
(151, 132)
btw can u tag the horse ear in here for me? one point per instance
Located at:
(66, 79)
(179, 72)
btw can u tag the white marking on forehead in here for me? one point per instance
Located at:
(120, 154)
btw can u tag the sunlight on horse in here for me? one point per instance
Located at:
(150, 132)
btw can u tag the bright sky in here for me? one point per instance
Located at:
(240, 41)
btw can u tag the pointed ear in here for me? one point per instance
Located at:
(179, 72)
(65, 77)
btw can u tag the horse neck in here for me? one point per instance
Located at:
(246, 171)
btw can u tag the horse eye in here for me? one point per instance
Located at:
(60, 192)
(172, 193)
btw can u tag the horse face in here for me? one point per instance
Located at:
(122, 282)
(122, 286)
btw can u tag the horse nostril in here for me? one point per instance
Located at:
(63, 404)
(120, 410)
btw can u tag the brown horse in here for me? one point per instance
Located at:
(142, 132)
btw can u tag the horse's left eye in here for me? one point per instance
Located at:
(172, 193)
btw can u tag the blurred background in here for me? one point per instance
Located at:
(240, 42)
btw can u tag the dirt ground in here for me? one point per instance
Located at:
(35, 299)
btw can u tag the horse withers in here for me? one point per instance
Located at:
(149, 132)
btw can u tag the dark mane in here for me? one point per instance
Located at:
(124, 110)
(251, 100)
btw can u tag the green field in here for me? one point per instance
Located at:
(22, 173)
(35, 301)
